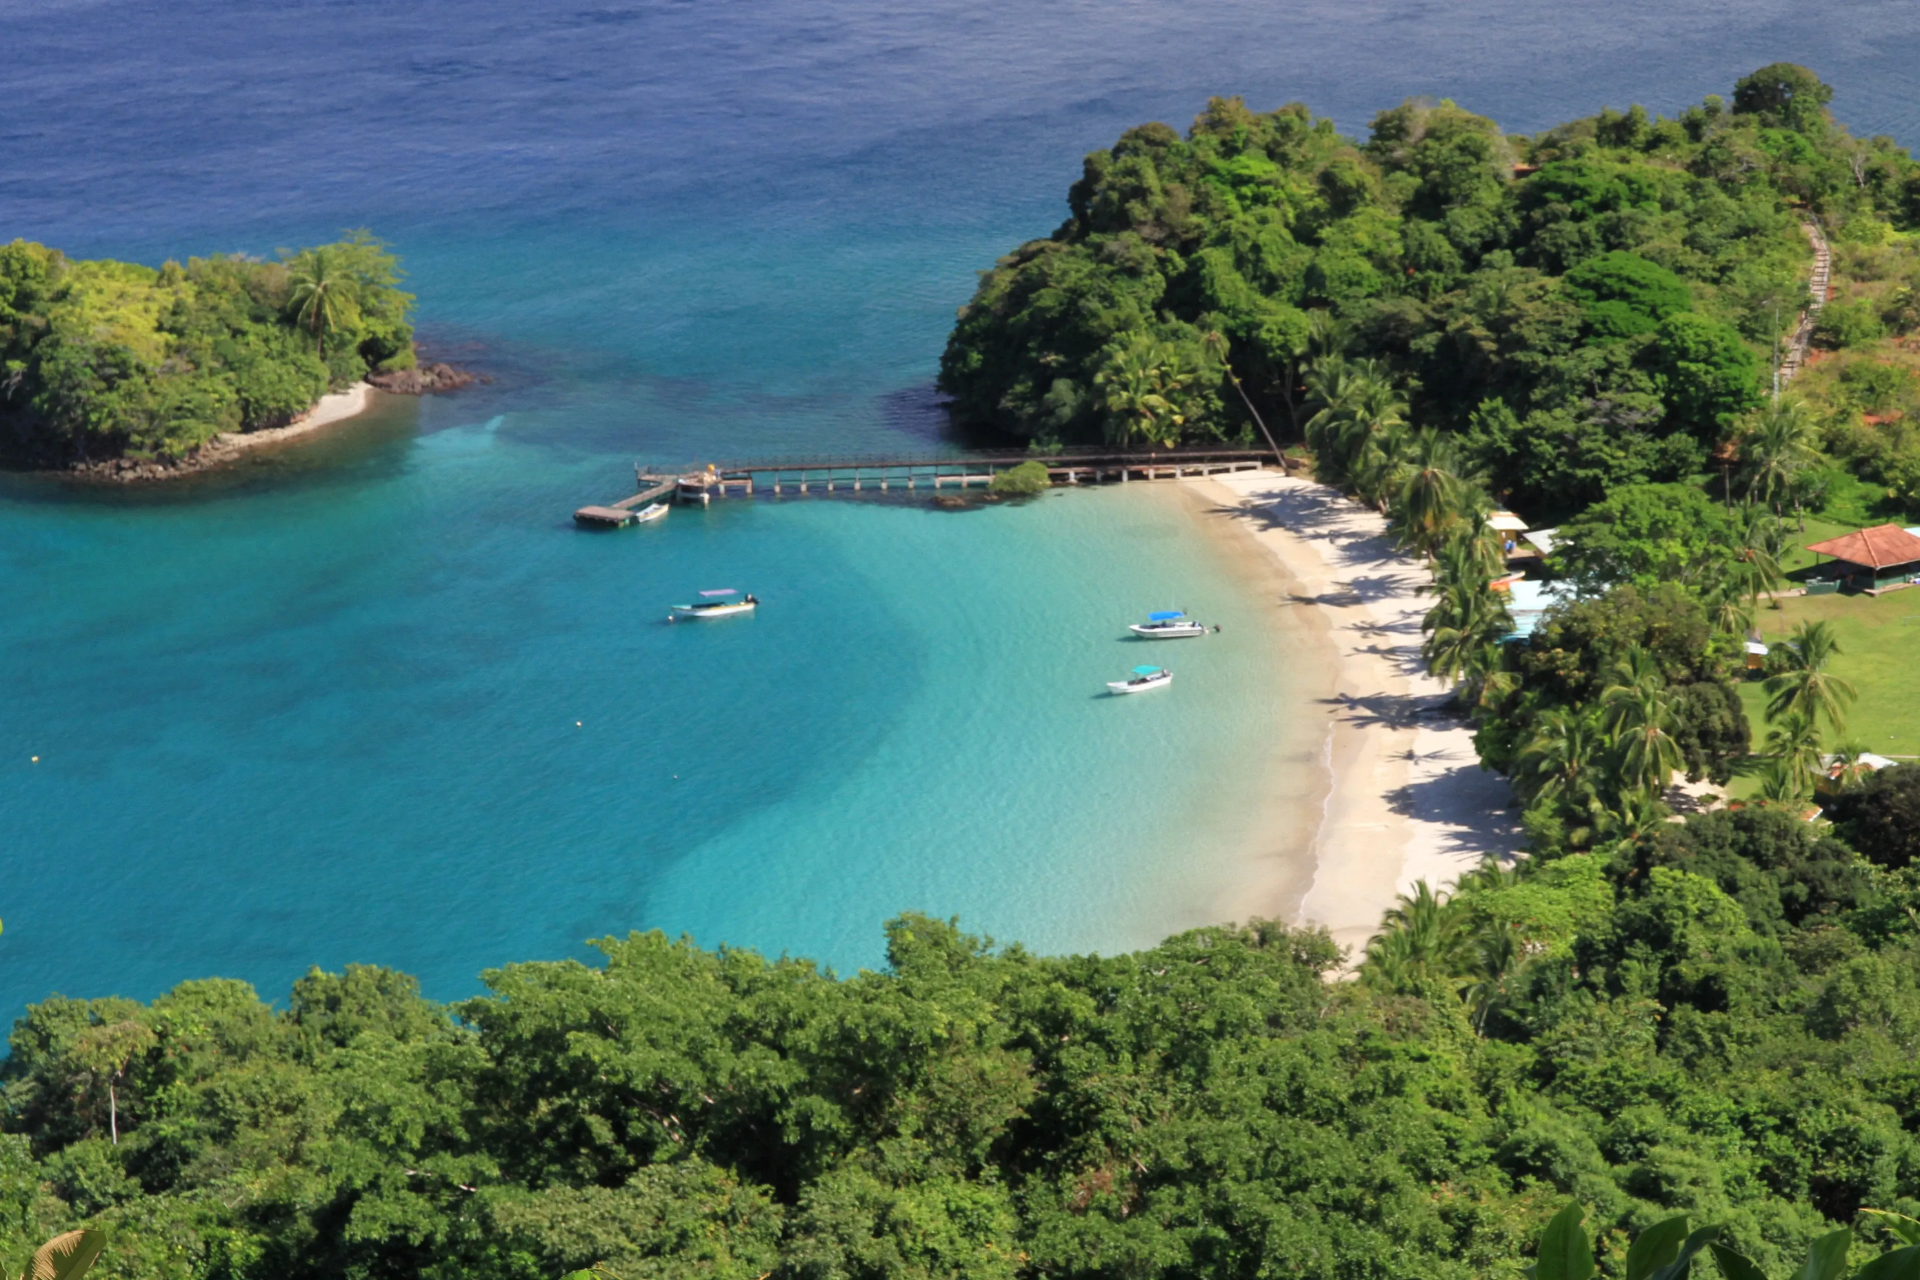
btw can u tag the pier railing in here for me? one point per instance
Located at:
(855, 473)
(1080, 456)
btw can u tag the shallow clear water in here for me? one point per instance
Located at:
(323, 709)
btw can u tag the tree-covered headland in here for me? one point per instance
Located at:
(1571, 311)
(103, 359)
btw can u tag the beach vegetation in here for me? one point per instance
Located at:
(1023, 481)
(102, 359)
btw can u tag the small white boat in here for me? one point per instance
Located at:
(716, 605)
(1168, 625)
(1144, 678)
(652, 511)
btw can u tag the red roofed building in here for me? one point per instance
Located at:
(1874, 559)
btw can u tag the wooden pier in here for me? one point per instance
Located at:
(703, 482)
(627, 510)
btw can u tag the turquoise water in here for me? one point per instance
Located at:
(322, 709)
(387, 705)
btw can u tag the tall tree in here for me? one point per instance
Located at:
(103, 1053)
(1806, 686)
(1436, 493)
(1794, 745)
(1781, 442)
(1136, 384)
(318, 291)
(1640, 716)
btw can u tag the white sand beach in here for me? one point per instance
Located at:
(337, 407)
(1408, 799)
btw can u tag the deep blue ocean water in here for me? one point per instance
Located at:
(323, 709)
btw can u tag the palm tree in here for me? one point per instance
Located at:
(1355, 431)
(1379, 460)
(1779, 445)
(1140, 382)
(1806, 686)
(1632, 815)
(1729, 612)
(1464, 626)
(1560, 760)
(1465, 623)
(1641, 717)
(1323, 337)
(1422, 936)
(1635, 672)
(1217, 343)
(1435, 494)
(1459, 646)
(1848, 770)
(1794, 745)
(1755, 566)
(318, 288)
(1482, 542)
(1500, 951)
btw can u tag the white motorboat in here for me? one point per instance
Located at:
(716, 605)
(1144, 678)
(1168, 625)
(652, 511)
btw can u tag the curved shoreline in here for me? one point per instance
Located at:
(334, 407)
(1406, 799)
(331, 409)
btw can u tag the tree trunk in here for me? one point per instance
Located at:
(1278, 457)
(113, 1112)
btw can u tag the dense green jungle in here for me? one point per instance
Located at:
(1658, 1014)
(102, 359)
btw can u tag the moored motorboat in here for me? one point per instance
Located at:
(652, 511)
(1144, 678)
(716, 605)
(1170, 624)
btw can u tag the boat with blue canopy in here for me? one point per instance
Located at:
(717, 603)
(1168, 624)
(1144, 678)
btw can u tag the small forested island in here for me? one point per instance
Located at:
(108, 360)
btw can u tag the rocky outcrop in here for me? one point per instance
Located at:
(424, 380)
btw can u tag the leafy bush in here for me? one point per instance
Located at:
(1624, 294)
(1874, 386)
(1022, 481)
(1881, 817)
(1847, 324)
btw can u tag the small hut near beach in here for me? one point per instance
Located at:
(1873, 560)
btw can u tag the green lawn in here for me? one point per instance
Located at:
(1879, 653)
(1847, 503)
(1818, 530)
